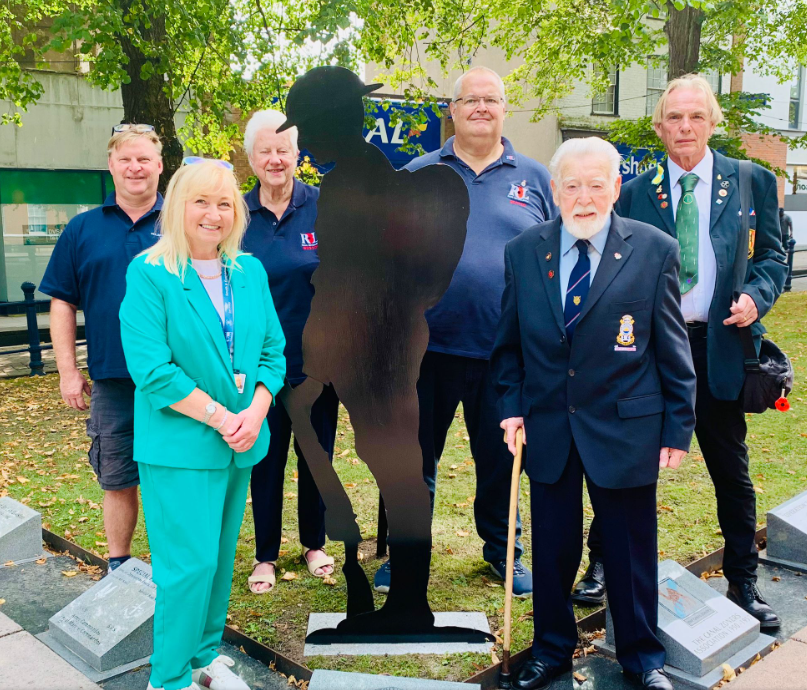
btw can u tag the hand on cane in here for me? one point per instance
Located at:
(510, 426)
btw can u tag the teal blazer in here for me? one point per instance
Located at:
(173, 342)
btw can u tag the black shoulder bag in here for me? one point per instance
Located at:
(769, 375)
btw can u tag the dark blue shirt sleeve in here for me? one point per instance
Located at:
(61, 275)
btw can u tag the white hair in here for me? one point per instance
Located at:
(586, 146)
(266, 119)
(486, 70)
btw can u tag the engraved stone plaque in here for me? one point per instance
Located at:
(111, 623)
(787, 533)
(20, 532)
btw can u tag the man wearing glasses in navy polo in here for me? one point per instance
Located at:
(88, 271)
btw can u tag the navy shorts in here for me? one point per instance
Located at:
(111, 430)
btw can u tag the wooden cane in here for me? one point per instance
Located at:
(515, 482)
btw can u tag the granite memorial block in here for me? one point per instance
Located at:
(110, 624)
(787, 533)
(338, 680)
(20, 532)
(699, 628)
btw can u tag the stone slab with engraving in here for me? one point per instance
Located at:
(700, 629)
(20, 532)
(111, 624)
(787, 534)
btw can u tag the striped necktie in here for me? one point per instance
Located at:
(579, 283)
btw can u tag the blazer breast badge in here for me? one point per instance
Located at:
(625, 340)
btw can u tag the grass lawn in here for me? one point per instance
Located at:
(43, 463)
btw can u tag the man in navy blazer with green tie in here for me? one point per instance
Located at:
(591, 360)
(694, 197)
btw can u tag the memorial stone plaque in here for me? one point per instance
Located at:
(787, 533)
(700, 629)
(20, 532)
(111, 623)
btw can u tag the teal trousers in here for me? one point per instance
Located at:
(193, 518)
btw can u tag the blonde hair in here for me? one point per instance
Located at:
(173, 248)
(118, 139)
(696, 83)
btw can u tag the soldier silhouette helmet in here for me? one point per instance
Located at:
(326, 105)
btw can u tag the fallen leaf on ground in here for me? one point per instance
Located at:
(350, 485)
(728, 672)
(494, 658)
(461, 533)
(328, 580)
(283, 540)
(579, 677)
(41, 561)
(290, 575)
(69, 573)
(23, 480)
(776, 578)
(2, 601)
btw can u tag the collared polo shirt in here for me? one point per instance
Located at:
(287, 248)
(509, 196)
(88, 269)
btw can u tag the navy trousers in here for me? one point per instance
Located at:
(720, 430)
(445, 382)
(628, 521)
(268, 476)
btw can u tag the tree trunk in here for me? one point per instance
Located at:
(683, 29)
(145, 101)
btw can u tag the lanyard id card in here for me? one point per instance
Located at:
(228, 326)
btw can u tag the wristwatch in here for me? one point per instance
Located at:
(210, 410)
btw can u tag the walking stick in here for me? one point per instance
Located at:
(504, 674)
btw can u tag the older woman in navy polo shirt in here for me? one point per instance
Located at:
(281, 234)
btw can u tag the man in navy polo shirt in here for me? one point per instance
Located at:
(87, 270)
(509, 193)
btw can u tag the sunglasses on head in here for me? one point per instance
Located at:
(191, 160)
(140, 129)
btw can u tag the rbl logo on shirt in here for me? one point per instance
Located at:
(309, 240)
(518, 192)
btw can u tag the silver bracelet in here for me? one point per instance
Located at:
(226, 414)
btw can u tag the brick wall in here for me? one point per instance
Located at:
(772, 150)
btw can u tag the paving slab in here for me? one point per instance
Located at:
(782, 669)
(27, 664)
(801, 636)
(8, 626)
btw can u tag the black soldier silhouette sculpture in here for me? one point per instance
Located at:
(389, 242)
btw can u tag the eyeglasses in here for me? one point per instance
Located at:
(192, 160)
(139, 129)
(473, 101)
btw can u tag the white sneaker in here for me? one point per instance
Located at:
(218, 676)
(192, 686)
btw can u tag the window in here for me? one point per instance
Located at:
(794, 119)
(714, 79)
(656, 83)
(606, 103)
(35, 206)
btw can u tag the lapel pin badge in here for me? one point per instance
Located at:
(551, 274)
(722, 192)
(658, 189)
(548, 256)
(617, 256)
(719, 177)
(720, 201)
(724, 184)
(664, 204)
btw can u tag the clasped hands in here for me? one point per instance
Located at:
(240, 431)
(668, 457)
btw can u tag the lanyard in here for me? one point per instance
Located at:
(228, 322)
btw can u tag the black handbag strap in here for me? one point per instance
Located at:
(741, 263)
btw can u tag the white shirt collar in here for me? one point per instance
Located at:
(567, 240)
(703, 170)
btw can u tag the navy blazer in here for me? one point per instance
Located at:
(620, 404)
(767, 269)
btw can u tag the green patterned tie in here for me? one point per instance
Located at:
(686, 227)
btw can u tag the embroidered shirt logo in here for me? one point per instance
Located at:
(518, 192)
(309, 240)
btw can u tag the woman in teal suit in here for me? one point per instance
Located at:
(205, 349)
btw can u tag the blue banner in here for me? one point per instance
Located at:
(389, 138)
(632, 165)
